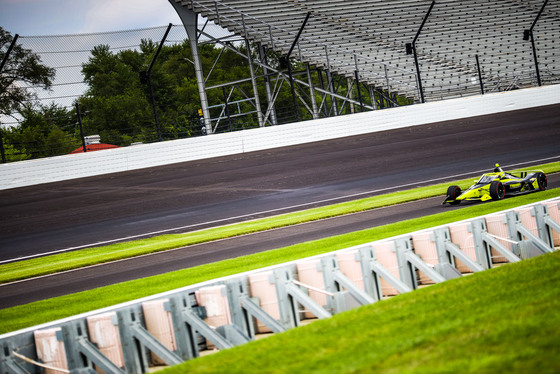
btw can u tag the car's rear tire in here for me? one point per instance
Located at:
(542, 181)
(497, 190)
(453, 192)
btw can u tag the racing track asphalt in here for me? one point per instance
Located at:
(23, 292)
(194, 195)
(53, 216)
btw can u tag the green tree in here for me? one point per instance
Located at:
(22, 68)
(44, 131)
(118, 103)
(115, 105)
(13, 155)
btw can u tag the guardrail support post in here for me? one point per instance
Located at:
(302, 298)
(550, 225)
(407, 272)
(523, 232)
(289, 315)
(289, 295)
(545, 224)
(257, 312)
(78, 346)
(477, 227)
(135, 359)
(185, 336)
(372, 284)
(335, 281)
(447, 249)
(8, 362)
(483, 240)
(409, 262)
(237, 289)
(184, 314)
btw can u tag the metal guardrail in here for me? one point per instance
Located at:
(179, 325)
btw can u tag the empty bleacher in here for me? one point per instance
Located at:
(370, 36)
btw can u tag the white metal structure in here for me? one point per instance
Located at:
(367, 38)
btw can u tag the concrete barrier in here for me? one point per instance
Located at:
(53, 169)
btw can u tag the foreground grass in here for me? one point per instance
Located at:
(503, 320)
(86, 257)
(48, 310)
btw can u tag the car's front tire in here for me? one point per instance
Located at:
(453, 192)
(497, 190)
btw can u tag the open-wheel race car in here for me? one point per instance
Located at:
(497, 185)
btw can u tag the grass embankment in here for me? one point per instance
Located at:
(48, 310)
(86, 257)
(504, 320)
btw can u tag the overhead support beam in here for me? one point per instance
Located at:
(253, 79)
(330, 84)
(269, 95)
(357, 78)
(315, 111)
(190, 21)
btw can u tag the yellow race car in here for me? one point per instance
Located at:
(497, 185)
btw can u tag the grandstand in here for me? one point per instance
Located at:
(366, 40)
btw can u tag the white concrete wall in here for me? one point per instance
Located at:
(80, 165)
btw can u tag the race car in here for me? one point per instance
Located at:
(497, 185)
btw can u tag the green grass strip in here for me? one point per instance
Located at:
(92, 256)
(504, 320)
(48, 310)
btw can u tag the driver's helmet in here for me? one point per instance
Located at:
(498, 169)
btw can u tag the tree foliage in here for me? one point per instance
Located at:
(23, 67)
(43, 132)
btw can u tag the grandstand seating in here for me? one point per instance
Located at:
(370, 36)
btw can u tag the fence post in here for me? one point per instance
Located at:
(149, 79)
(292, 85)
(528, 34)
(479, 75)
(81, 127)
(2, 148)
(411, 48)
(12, 44)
